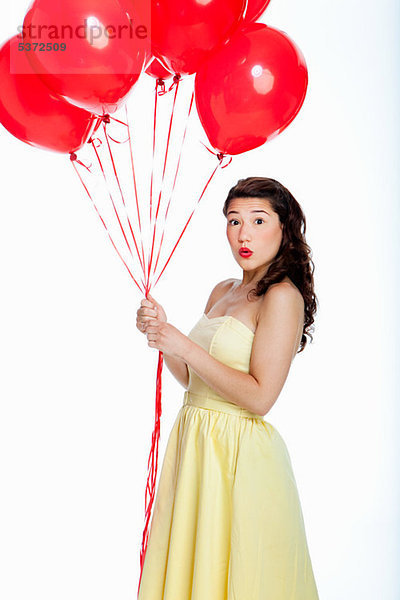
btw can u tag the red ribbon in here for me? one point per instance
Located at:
(160, 84)
(92, 141)
(175, 81)
(219, 155)
(74, 158)
(106, 119)
(160, 87)
(152, 470)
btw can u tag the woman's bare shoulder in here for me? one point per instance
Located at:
(284, 292)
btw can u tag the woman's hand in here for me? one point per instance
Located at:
(166, 338)
(152, 320)
(149, 309)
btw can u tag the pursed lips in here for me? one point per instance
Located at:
(244, 251)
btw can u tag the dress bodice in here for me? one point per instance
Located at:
(228, 340)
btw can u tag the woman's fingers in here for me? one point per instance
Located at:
(152, 330)
(144, 321)
(147, 307)
(149, 314)
(152, 325)
(152, 304)
(146, 302)
(146, 313)
(150, 301)
(146, 310)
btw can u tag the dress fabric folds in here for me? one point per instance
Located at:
(227, 521)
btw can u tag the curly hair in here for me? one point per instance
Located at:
(293, 258)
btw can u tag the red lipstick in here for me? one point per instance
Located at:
(245, 252)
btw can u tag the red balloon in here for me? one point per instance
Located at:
(32, 112)
(251, 89)
(255, 8)
(89, 52)
(186, 31)
(157, 70)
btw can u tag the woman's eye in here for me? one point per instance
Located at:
(258, 219)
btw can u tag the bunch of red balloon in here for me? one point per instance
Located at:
(250, 80)
(75, 63)
(250, 83)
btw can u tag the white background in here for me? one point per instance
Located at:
(77, 378)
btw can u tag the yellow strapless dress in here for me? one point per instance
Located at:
(227, 521)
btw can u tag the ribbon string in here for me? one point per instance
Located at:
(122, 196)
(152, 468)
(75, 160)
(191, 214)
(176, 82)
(160, 87)
(173, 186)
(220, 155)
(112, 199)
(149, 258)
(136, 199)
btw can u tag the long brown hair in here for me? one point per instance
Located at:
(294, 255)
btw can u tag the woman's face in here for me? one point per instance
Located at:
(252, 223)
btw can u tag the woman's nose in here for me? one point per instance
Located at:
(244, 235)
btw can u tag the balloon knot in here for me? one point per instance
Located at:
(106, 119)
(73, 156)
(96, 142)
(176, 79)
(160, 86)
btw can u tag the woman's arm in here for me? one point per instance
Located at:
(178, 368)
(274, 347)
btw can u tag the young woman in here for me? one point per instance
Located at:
(227, 521)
